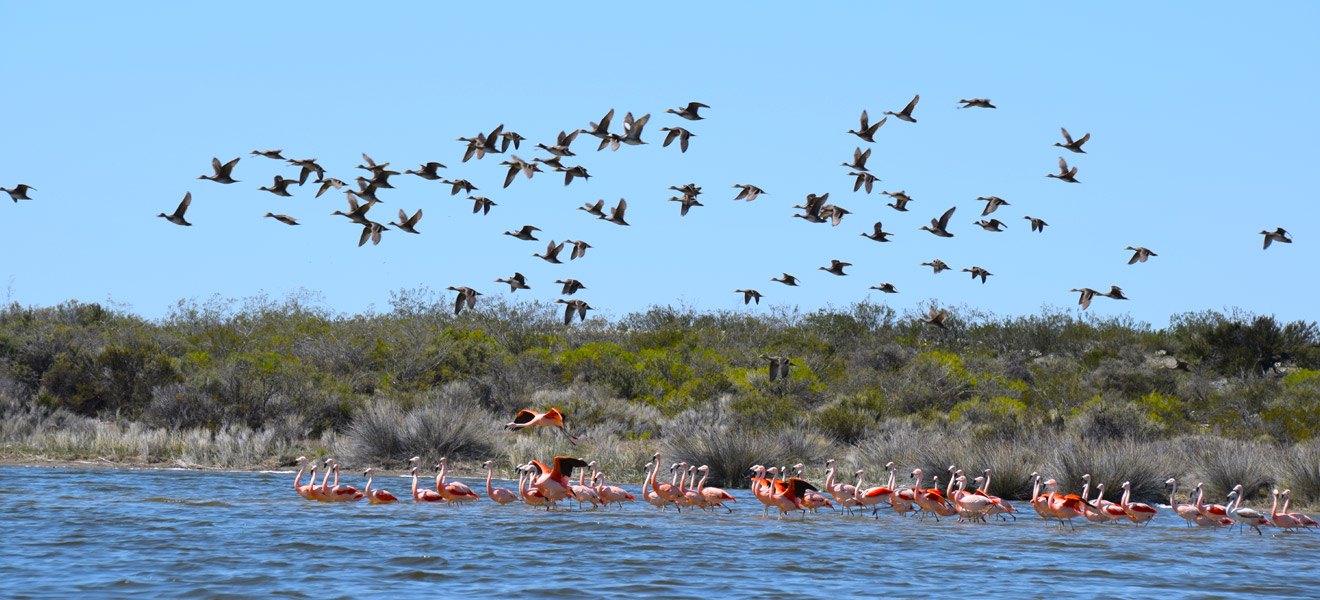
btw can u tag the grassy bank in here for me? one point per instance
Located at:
(258, 382)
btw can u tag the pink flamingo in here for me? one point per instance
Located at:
(531, 496)
(1203, 518)
(1284, 521)
(1137, 512)
(340, 493)
(901, 500)
(1000, 506)
(611, 494)
(1040, 502)
(1063, 507)
(501, 496)
(812, 500)
(693, 497)
(1306, 520)
(761, 489)
(1110, 510)
(1187, 511)
(422, 495)
(842, 492)
(650, 495)
(306, 491)
(583, 492)
(667, 491)
(1214, 511)
(970, 506)
(714, 496)
(377, 496)
(1245, 516)
(1093, 514)
(454, 491)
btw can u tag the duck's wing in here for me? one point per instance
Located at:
(944, 219)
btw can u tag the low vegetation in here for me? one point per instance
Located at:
(255, 383)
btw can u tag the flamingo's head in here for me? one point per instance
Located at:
(799, 466)
(367, 472)
(1127, 484)
(952, 468)
(1237, 488)
(977, 481)
(415, 459)
(1086, 477)
(300, 460)
(329, 461)
(703, 469)
(987, 472)
(592, 464)
(889, 465)
(488, 463)
(444, 460)
(656, 456)
(773, 470)
(1101, 487)
(828, 463)
(1170, 481)
(859, 472)
(1287, 493)
(916, 473)
(1051, 482)
(672, 467)
(1034, 474)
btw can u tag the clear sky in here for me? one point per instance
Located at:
(1202, 119)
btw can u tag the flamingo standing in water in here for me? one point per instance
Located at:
(306, 491)
(583, 492)
(1040, 502)
(871, 496)
(1204, 517)
(902, 499)
(762, 489)
(714, 496)
(501, 496)
(1137, 512)
(1187, 511)
(611, 494)
(531, 496)
(931, 500)
(971, 506)
(340, 493)
(1217, 512)
(1093, 514)
(842, 492)
(1284, 521)
(1245, 516)
(422, 495)
(550, 418)
(1000, 506)
(1306, 520)
(1063, 507)
(553, 482)
(667, 491)
(651, 496)
(1113, 511)
(454, 491)
(812, 500)
(789, 498)
(376, 496)
(690, 496)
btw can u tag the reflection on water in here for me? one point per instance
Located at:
(122, 533)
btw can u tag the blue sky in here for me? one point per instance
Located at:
(1202, 128)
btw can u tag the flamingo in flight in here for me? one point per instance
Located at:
(553, 482)
(550, 418)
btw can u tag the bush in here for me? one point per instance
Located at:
(1222, 464)
(1145, 464)
(1298, 469)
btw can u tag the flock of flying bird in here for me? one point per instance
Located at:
(815, 209)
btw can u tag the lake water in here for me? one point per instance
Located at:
(160, 533)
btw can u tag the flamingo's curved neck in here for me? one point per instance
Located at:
(326, 479)
(1274, 510)
(299, 476)
(985, 486)
(829, 478)
(490, 471)
(916, 487)
(702, 484)
(1173, 493)
(893, 478)
(370, 478)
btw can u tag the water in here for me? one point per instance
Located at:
(160, 533)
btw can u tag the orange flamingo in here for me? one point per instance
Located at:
(550, 418)
(870, 496)
(1039, 501)
(501, 496)
(422, 495)
(553, 482)
(714, 496)
(340, 493)
(790, 497)
(762, 489)
(1283, 521)
(930, 500)
(902, 499)
(812, 500)
(454, 491)
(1063, 507)
(1137, 512)
(306, 491)
(1306, 520)
(377, 496)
